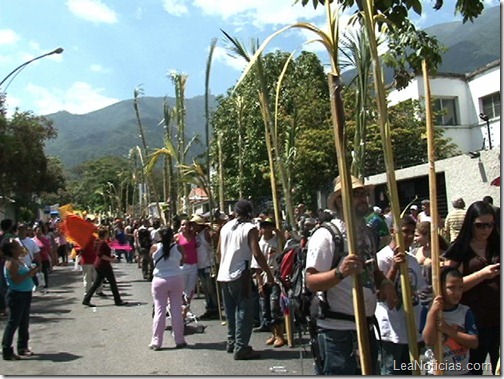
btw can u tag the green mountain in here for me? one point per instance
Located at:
(114, 131)
(470, 46)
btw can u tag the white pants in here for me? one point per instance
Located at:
(190, 275)
(88, 277)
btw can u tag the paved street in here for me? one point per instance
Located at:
(70, 339)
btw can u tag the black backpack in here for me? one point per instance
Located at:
(144, 238)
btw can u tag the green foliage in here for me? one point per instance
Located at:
(25, 172)
(101, 183)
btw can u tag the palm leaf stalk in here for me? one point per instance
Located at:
(179, 80)
(330, 42)
(240, 105)
(168, 162)
(391, 181)
(356, 50)
(208, 189)
(436, 283)
(213, 43)
(240, 50)
(137, 93)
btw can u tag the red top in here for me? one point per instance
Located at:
(101, 247)
(45, 247)
(87, 254)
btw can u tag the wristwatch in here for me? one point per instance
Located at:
(339, 274)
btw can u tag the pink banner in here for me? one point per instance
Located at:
(116, 246)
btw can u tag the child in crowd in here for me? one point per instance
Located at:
(456, 324)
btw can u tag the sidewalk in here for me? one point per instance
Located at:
(71, 339)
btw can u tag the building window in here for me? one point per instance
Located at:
(490, 105)
(446, 111)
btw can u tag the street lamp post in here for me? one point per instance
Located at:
(485, 118)
(59, 50)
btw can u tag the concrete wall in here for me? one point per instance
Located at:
(467, 177)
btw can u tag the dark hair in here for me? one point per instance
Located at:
(244, 208)
(460, 249)
(102, 232)
(166, 240)
(407, 221)
(6, 224)
(8, 245)
(488, 199)
(449, 271)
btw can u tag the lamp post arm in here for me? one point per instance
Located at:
(59, 50)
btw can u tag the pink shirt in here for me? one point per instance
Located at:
(189, 248)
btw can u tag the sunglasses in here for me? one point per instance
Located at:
(483, 225)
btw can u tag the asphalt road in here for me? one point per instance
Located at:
(71, 339)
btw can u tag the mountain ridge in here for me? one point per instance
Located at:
(113, 130)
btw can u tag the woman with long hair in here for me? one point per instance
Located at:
(476, 253)
(19, 279)
(167, 284)
(45, 251)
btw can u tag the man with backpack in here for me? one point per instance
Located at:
(329, 270)
(143, 244)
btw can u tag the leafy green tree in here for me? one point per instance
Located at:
(97, 185)
(25, 173)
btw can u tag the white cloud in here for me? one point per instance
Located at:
(175, 7)
(220, 54)
(8, 37)
(258, 12)
(98, 68)
(92, 10)
(80, 98)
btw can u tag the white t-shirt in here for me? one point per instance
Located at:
(236, 254)
(165, 268)
(203, 250)
(392, 322)
(31, 248)
(267, 247)
(456, 356)
(340, 297)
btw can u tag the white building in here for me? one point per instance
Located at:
(463, 97)
(471, 118)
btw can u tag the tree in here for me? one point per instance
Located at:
(25, 172)
(97, 185)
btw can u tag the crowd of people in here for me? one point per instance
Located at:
(235, 264)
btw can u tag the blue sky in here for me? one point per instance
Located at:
(113, 46)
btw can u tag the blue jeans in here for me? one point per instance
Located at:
(238, 307)
(270, 305)
(393, 355)
(19, 319)
(338, 352)
(208, 287)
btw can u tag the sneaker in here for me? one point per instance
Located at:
(230, 348)
(154, 347)
(246, 354)
(25, 352)
(88, 304)
(122, 303)
(181, 345)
